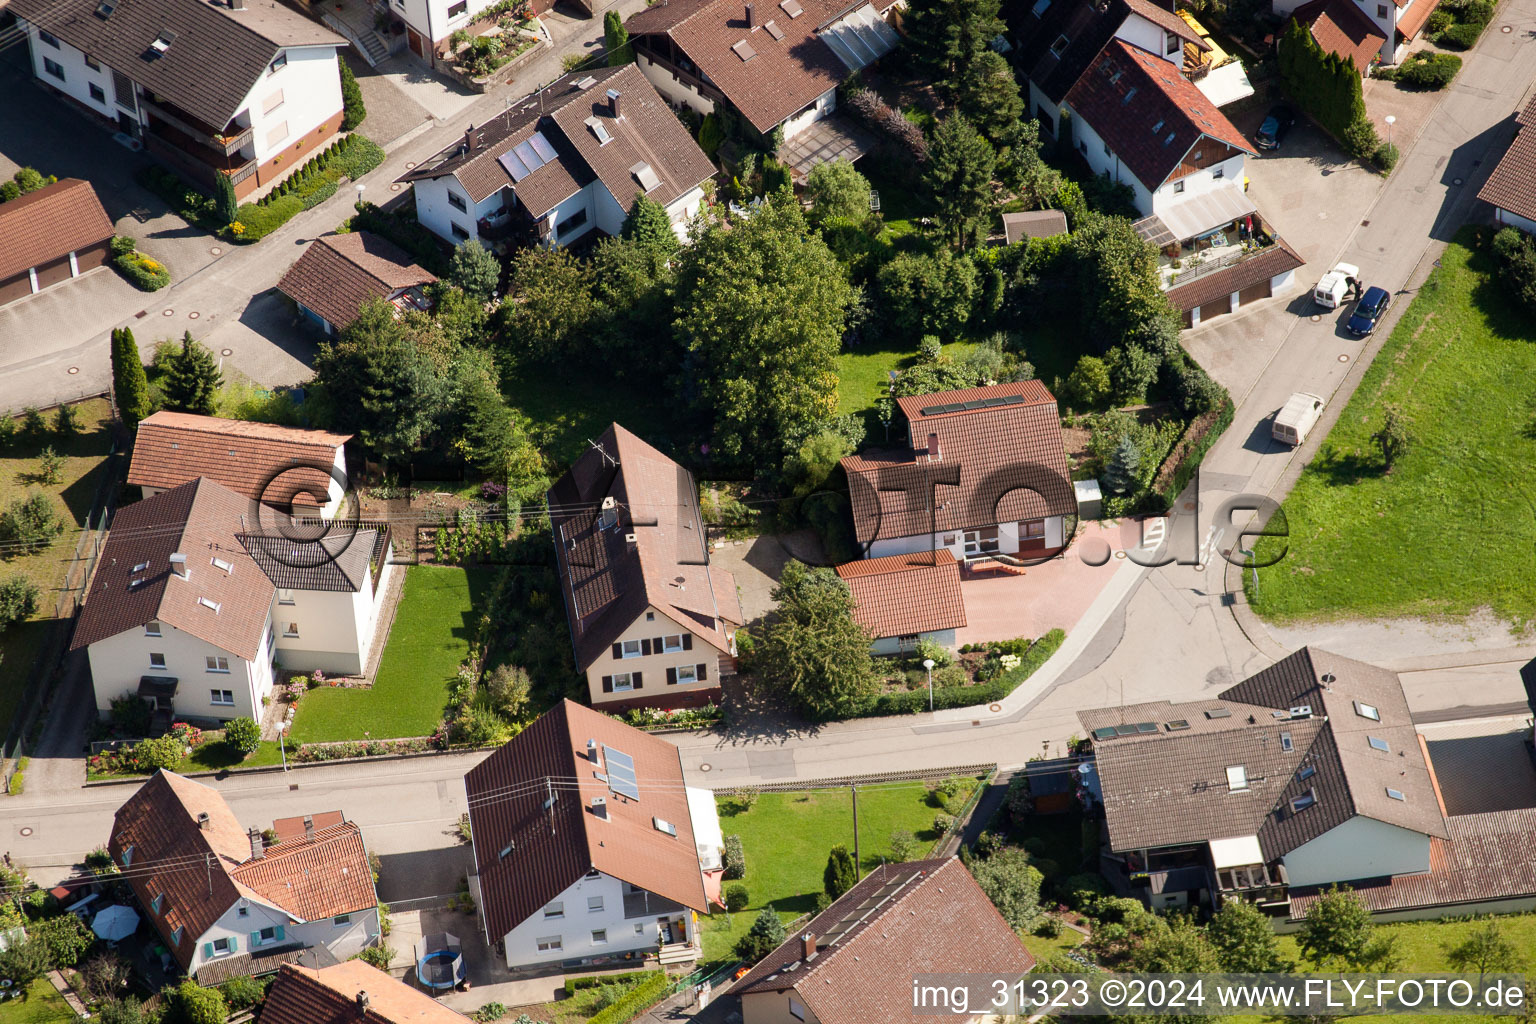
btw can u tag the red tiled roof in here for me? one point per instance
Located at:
(609, 579)
(1126, 92)
(899, 595)
(54, 221)
(549, 847)
(1341, 28)
(171, 448)
(1272, 262)
(996, 464)
(313, 877)
(200, 520)
(338, 273)
(1167, 20)
(1512, 185)
(1408, 26)
(330, 995)
(933, 919)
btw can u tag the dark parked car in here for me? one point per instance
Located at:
(1373, 305)
(1276, 123)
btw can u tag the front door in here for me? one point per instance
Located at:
(1032, 535)
(981, 542)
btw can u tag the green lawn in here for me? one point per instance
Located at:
(567, 409)
(20, 472)
(786, 837)
(42, 1005)
(430, 636)
(1450, 529)
(863, 374)
(1041, 948)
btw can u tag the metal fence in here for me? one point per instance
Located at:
(844, 781)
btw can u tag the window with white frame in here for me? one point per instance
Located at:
(623, 681)
(1178, 186)
(279, 63)
(457, 201)
(594, 904)
(630, 649)
(687, 673)
(600, 937)
(216, 664)
(290, 629)
(156, 660)
(459, 9)
(222, 697)
(554, 910)
(151, 629)
(672, 644)
(550, 944)
(222, 946)
(284, 596)
(266, 935)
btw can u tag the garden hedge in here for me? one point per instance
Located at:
(312, 184)
(1461, 36)
(1429, 70)
(146, 274)
(914, 702)
(1326, 86)
(574, 985)
(634, 1002)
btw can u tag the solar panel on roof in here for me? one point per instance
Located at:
(513, 166)
(1146, 727)
(987, 403)
(542, 147)
(1106, 733)
(1219, 713)
(621, 773)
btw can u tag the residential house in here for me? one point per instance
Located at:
(283, 467)
(562, 163)
(339, 273)
(1307, 773)
(246, 907)
(1033, 224)
(1341, 27)
(1511, 188)
(429, 23)
(244, 88)
(1136, 120)
(1397, 24)
(1058, 40)
(653, 624)
(54, 234)
(901, 599)
(192, 604)
(984, 473)
(855, 961)
(588, 846)
(350, 992)
(777, 64)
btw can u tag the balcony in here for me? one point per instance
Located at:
(227, 142)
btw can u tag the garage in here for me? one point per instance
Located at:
(1254, 292)
(1252, 279)
(53, 273)
(50, 236)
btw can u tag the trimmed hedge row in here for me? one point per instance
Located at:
(1191, 458)
(308, 187)
(634, 1002)
(574, 985)
(144, 273)
(913, 702)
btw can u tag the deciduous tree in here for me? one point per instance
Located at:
(1337, 934)
(837, 189)
(1485, 950)
(549, 307)
(1244, 940)
(1012, 883)
(18, 598)
(1392, 437)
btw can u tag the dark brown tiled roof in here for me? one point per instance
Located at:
(551, 846)
(1275, 260)
(996, 464)
(171, 448)
(899, 595)
(1340, 27)
(338, 273)
(197, 519)
(304, 995)
(1088, 26)
(216, 58)
(1163, 787)
(1127, 92)
(609, 579)
(922, 917)
(339, 562)
(1487, 857)
(648, 132)
(782, 78)
(1512, 185)
(54, 221)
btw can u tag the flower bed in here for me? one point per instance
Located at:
(912, 702)
(314, 752)
(147, 756)
(146, 274)
(673, 718)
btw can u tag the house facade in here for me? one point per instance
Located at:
(984, 474)
(1309, 773)
(904, 599)
(254, 905)
(562, 163)
(243, 88)
(620, 861)
(52, 235)
(339, 273)
(1511, 188)
(653, 624)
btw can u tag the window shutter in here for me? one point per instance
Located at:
(279, 933)
(618, 651)
(208, 950)
(255, 939)
(607, 684)
(658, 645)
(635, 677)
(671, 677)
(687, 641)
(703, 672)
(234, 943)
(645, 646)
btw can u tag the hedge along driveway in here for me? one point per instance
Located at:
(430, 637)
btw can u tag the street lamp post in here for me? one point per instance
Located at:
(1390, 122)
(928, 664)
(361, 188)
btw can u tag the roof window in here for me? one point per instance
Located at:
(664, 826)
(228, 567)
(1370, 711)
(1396, 794)
(1177, 725)
(105, 8)
(773, 30)
(1157, 127)
(1219, 713)
(1285, 742)
(599, 130)
(1377, 743)
(1169, 139)
(645, 176)
(1041, 6)
(791, 8)
(1130, 94)
(1302, 801)
(743, 50)
(163, 41)
(1237, 778)
(1307, 771)
(206, 603)
(1060, 45)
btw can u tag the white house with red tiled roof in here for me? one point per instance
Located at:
(1398, 21)
(247, 906)
(902, 599)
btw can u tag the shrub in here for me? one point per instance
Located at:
(1080, 891)
(916, 701)
(130, 714)
(629, 1005)
(903, 845)
(765, 935)
(353, 111)
(490, 1012)
(161, 752)
(734, 857)
(19, 598)
(574, 985)
(1048, 928)
(736, 897)
(64, 939)
(1462, 36)
(1428, 70)
(122, 245)
(242, 993)
(932, 650)
(1516, 255)
(190, 1003)
(30, 523)
(1385, 157)
(840, 874)
(142, 272)
(243, 734)
(1089, 383)
(944, 824)
(1360, 138)
(1194, 390)
(1439, 20)
(376, 956)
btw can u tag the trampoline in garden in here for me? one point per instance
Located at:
(439, 961)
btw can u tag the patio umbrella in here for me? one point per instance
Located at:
(115, 922)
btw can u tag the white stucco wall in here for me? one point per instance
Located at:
(892, 645)
(1138, 31)
(577, 924)
(343, 940)
(436, 215)
(1200, 182)
(683, 209)
(119, 661)
(1007, 540)
(335, 628)
(672, 89)
(1092, 147)
(653, 667)
(1038, 102)
(1360, 848)
(581, 202)
(311, 95)
(824, 105)
(78, 78)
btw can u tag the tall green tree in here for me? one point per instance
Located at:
(812, 650)
(1245, 941)
(1115, 280)
(926, 293)
(989, 96)
(1337, 934)
(760, 308)
(224, 202)
(1392, 437)
(648, 226)
(840, 874)
(959, 174)
(550, 305)
(1012, 883)
(19, 598)
(1485, 950)
(377, 382)
(130, 385)
(631, 294)
(353, 112)
(837, 190)
(490, 434)
(616, 39)
(475, 269)
(192, 379)
(949, 35)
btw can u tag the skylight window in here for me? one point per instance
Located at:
(1237, 778)
(1157, 127)
(1368, 711)
(206, 603)
(1285, 742)
(1219, 713)
(228, 567)
(163, 41)
(1060, 45)
(1377, 743)
(773, 30)
(1396, 794)
(645, 176)
(1130, 94)
(1169, 139)
(1304, 800)
(1177, 725)
(1041, 6)
(664, 826)
(599, 130)
(141, 567)
(1307, 771)
(743, 50)
(105, 8)
(791, 8)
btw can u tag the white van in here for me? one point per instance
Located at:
(1330, 291)
(1296, 418)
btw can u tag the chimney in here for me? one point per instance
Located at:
(809, 949)
(600, 807)
(751, 24)
(309, 827)
(203, 821)
(471, 139)
(237, 5)
(363, 1002)
(179, 564)
(258, 845)
(933, 448)
(613, 104)
(592, 751)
